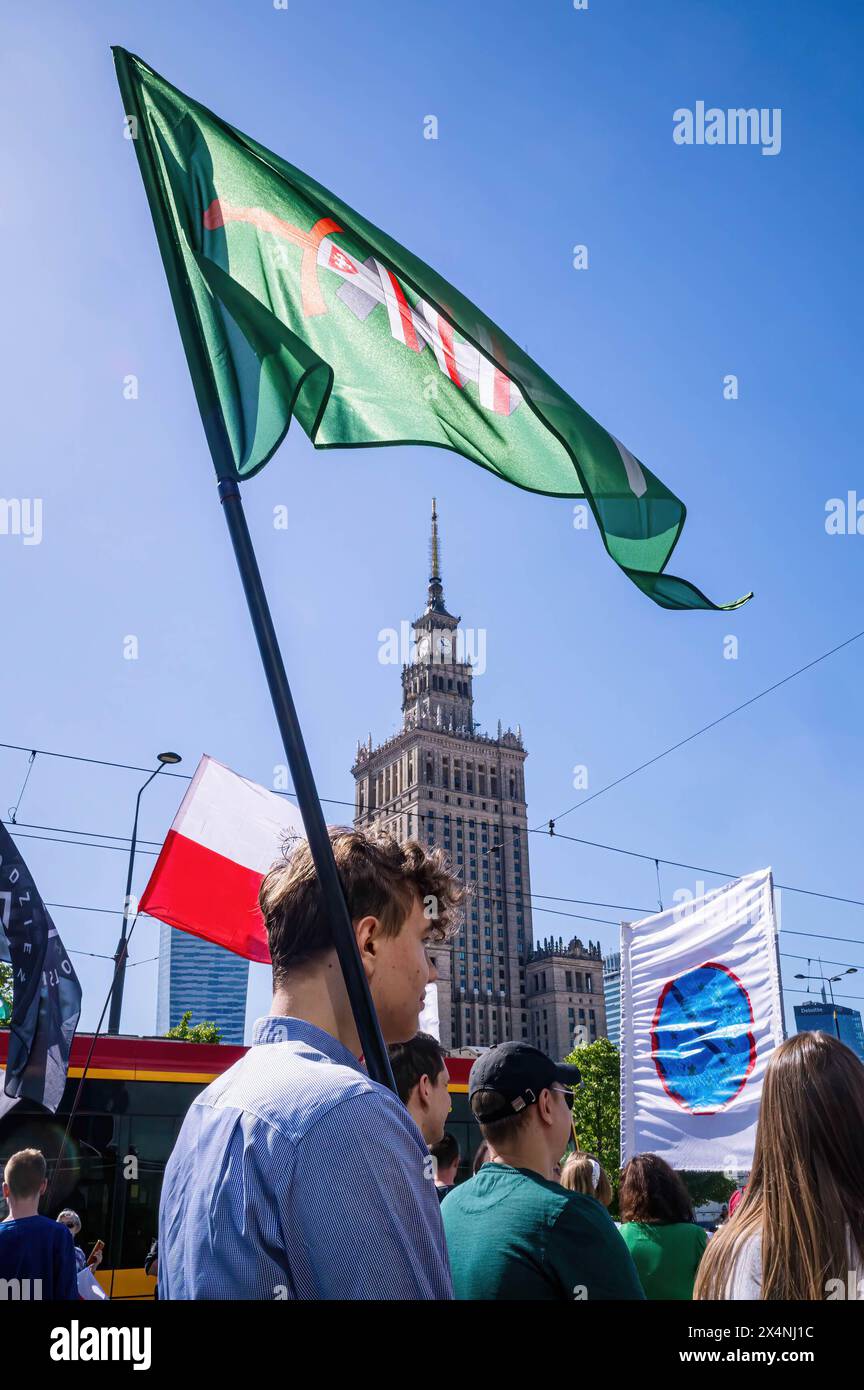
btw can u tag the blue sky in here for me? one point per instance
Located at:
(554, 129)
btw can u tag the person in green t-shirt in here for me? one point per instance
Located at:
(658, 1227)
(512, 1232)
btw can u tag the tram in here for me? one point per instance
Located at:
(133, 1100)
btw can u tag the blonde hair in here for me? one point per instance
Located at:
(582, 1173)
(25, 1173)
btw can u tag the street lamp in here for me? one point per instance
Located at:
(164, 760)
(831, 981)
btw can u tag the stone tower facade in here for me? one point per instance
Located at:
(565, 994)
(443, 782)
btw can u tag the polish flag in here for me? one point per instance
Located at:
(226, 835)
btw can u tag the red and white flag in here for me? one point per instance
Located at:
(226, 835)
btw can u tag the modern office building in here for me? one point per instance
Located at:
(843, 1022)
(197, 975)
(612, 992)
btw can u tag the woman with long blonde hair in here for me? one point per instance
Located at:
(800, 1224)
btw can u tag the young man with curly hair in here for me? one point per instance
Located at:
(295, 1175)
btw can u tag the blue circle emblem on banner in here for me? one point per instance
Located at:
(702, 1038)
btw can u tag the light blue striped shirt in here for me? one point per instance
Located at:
(295, 1175)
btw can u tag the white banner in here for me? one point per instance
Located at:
(701, 1012)
(429, 1022)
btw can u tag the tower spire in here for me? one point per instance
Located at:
(436, 588)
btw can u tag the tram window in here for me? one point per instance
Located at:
(141, 1214)
(85, 1178)
(152, 1136)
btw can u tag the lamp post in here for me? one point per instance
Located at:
(164, 759)
(830, 981)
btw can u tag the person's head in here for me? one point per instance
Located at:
(522, 1101)
(401, 900)
(653, 1193)
(70, 1218)
(805, 1194)
(24, 1181)
(446, 1156)
(421, 1077)
(582, 1173)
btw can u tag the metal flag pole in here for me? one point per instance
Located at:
(374, 1051)
(371, 1042)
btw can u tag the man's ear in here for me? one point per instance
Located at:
(44, 1188)
(367, 934)
(544, 1105)
(423, 1088)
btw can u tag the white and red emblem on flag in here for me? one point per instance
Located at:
(227, 833)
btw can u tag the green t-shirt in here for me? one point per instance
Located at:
(512, 1234)
(666, 1257)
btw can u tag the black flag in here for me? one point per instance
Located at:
(46, 995)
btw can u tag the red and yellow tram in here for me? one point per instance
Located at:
(133, 1100)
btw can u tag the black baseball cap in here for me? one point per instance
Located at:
(518, 1073)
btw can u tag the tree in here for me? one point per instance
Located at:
(597, 1107)
(597, 1118)
(708, 1187)
(5, 994)
(205, 1032)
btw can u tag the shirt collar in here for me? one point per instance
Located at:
(281, 1028)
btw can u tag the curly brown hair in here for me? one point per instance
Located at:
(653, 1193)
(380, 878)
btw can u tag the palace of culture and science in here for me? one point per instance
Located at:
(443, 782)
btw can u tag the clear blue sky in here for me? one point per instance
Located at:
(555, 128)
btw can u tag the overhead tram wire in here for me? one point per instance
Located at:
(707, 727)
(536, 830)
(82, 844)
(132, 767)
(593, 844)
(67, 830)
(700, 868)
(548, 826)
(657, 859)
(13, 810)
(574, 839)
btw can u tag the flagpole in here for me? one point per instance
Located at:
(372, 1044)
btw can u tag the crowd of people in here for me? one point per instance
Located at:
(297, 1176)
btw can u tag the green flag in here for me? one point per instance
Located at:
(292, 304)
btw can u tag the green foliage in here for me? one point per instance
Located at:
(597, 1114)
(708, 1187)
(597, 1108)
(205, 1032)
(5, 994)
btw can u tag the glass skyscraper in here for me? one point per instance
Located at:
(197, 975)
(843, 1022)
(612, 987)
